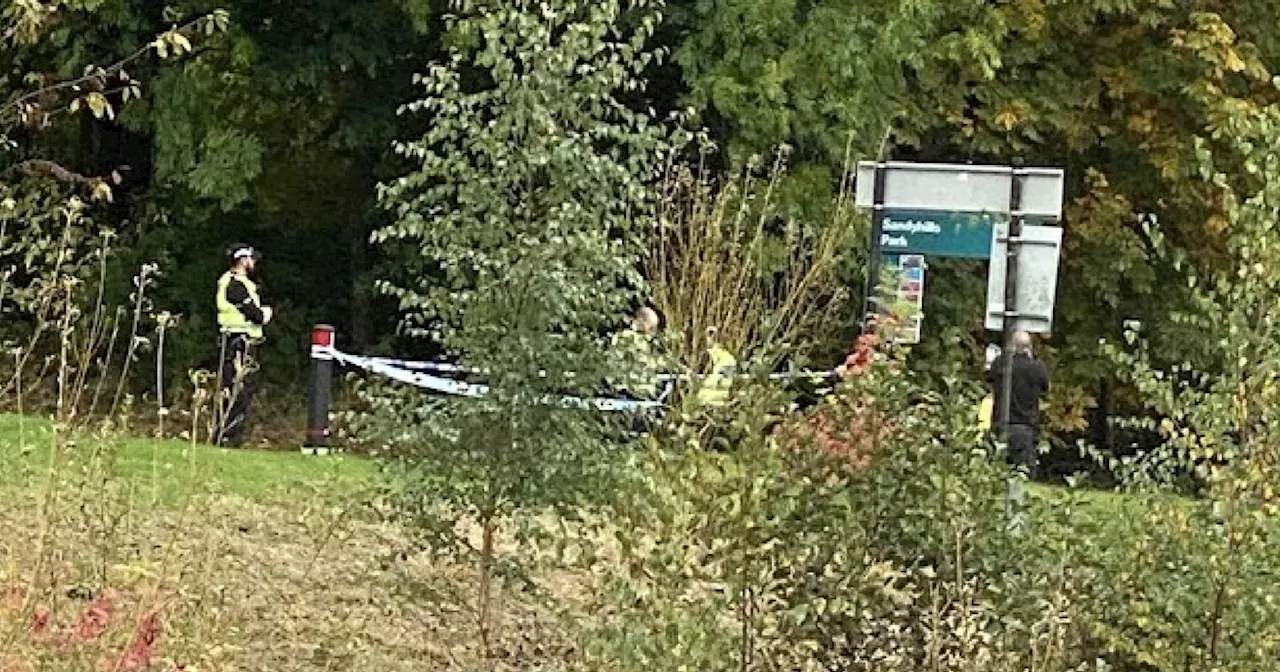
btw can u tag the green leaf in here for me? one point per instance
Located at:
(99, 106)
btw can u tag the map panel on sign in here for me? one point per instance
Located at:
(910, 289)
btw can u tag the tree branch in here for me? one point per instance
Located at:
(99, 187)
(38, 167)
(112, 69)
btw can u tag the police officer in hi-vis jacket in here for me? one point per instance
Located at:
(241, 318)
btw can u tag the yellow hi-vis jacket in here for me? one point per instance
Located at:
(986, 410)
(717, 385)
(231, 319)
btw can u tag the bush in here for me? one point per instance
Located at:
(787, 554)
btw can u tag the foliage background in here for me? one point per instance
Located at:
(277, 132)
(868, 531)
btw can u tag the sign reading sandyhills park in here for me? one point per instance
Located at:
(950, 234)
(939, 234)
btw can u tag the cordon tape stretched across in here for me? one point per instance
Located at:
(411, 372)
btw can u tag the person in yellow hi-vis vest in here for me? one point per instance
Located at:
(987, 409)
(241, 318)
(718, 383)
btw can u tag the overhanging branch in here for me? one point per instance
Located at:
(99, 75)
(42, 167)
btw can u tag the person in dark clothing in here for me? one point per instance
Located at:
(241, 318)
(1030, 384)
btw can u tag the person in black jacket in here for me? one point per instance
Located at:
(1030, 384)
(241, 318)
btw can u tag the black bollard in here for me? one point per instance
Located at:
(320, 390)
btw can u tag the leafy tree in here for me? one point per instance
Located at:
(1111, 90)
(278, 135)
(36, 91)
(809, 74)
(54, 221)
(521, 224)
(1196, 584)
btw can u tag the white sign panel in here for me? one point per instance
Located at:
(1037, 277)
(962, 188)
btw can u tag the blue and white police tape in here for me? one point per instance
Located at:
(445, 367)
(412, 365)
(782, 375)
(459, 388)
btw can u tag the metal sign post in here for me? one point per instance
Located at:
(1014, 494)
(1010, 300)
(869, 308)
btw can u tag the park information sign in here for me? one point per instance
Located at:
(909, 271)
(956, 210)
(975, 212)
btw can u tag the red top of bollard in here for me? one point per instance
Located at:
(322, 335)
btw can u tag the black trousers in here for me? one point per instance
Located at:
(1024, 450)
(238, 373)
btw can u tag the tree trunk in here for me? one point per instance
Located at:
(486, 583)
(1108, 402)
(358, 253)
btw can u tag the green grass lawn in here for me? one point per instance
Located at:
(167, 472)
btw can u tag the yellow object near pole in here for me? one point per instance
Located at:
(717, 385)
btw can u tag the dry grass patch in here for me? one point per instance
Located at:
(128, 555)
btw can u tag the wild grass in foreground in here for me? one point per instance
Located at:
(120, 553)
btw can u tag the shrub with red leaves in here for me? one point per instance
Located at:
(143, 648)
(80, 639)
(40, 622)
(846, 425)
(93, 620)
(864, 353)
